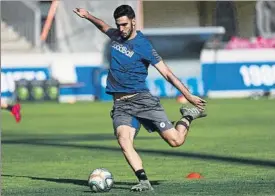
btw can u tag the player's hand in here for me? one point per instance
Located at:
(81, 12)
(197, 101)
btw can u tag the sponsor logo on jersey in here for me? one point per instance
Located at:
(124, 50)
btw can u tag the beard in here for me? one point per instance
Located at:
(129, 33)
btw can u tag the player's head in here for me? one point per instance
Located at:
(124, 16)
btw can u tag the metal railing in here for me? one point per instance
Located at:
(24, 17)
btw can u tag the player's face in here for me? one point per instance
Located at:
(125, 26)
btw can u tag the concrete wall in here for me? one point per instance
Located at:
(186, 14)
(75, 34)
(170, 14)
(246, 16)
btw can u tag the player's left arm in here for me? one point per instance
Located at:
(166, 72)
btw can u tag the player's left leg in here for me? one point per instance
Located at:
(175, 137)
(16, 112)
(4, 105)
(14, 109)
(151, 115)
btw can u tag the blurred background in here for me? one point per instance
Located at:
(217, 48)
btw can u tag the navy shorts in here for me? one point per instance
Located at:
(141, 109)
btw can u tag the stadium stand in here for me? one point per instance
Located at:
(11, 41)
(20, 27)
(265, 18)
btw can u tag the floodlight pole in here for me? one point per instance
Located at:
(140, 19)
(49, 20)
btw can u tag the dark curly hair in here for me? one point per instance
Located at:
(124, 10)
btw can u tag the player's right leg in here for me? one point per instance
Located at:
(125, 136)
(126, 128)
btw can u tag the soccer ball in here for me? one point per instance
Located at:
(100, 180)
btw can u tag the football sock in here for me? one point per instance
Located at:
(141, 175)
(186, 125)
(180, 122)
(9, 107)
(188, 118)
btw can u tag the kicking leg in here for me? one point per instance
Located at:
(175, 137)
(125, 136)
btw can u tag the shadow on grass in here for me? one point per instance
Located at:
(55, 142)
(29, 138)
(117, 185)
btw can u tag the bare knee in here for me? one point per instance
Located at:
(125, 143)
(175, 143)
(125, 137)
(173, 137)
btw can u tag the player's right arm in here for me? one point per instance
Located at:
(101, 25)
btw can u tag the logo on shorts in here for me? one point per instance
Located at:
(162, 124)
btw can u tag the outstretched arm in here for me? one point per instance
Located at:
(170, 77)
(101, 25)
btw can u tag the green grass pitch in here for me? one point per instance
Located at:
(55, 147)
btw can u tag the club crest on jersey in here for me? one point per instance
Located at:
(119, 47)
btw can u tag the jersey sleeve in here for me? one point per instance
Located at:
(112, 33)
(151, 55)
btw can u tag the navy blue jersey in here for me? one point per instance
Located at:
(129, 63)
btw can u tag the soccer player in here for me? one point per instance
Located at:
(14, 109)
(134, 105)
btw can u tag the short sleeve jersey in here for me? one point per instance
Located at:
(130, 60)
